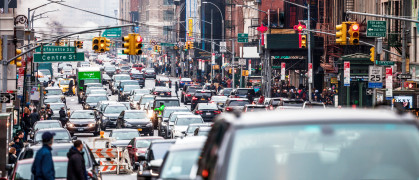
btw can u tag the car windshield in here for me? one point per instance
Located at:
(93, 85)
(326, 151)
(135, 115)
(56, 107)
(238, 103)
(141, 91)
(167, 112)
(131, 87)
(120, 78)
(64, 82)
(143, 143)
(219, 98)
(60, 169)
(159, 150)
(115, 109)
(125, 135)
(294, 103)
(178, 164)
(98, 92)
(47, 125)
(125, 67)
(192, 90)
(227, 91)
(60, 136)
(95, 99)
(110, 68)
(53, 92)
(167, 103)
(200, 94)
(137, 76)
(83, 115)
(145, 100)
(122, 84)
(137, 97)
(52, 100)
(187, 121)
(207, 106)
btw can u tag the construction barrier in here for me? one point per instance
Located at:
(111, 159)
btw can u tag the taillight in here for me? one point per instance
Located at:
(90, 174)
(198, 112)
(188, 95)
(229, 109)
(211, 101)
(217, 112)
(155, 93)
(169, 93)
(194, 98)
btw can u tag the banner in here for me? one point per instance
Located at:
(283, 71)
(347, 73)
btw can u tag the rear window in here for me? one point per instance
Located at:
(207, 106)
(244, 91)
(137, 76)
(200, 94)
(167, 103)
(238, 103)
(192, 90)
(293, 103)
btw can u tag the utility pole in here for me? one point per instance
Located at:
(5, 63)
(403, 53)
(212, 51)
(232, 63)
(310, 80)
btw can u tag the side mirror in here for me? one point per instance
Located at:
(74, 138)
(10, 166)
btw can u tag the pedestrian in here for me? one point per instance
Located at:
(20, 135)
(170, 84)
(43, 113)
(63, 116)
(25, 123)
(261, 100)
(12, 158)
(43, 165)
(70, 88)
(34, 117)
(49, 112)
(76, 169)
(176, 88)
(17, 145)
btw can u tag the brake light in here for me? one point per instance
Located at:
(90, 174)
(211, 101)
(217, 112)
(229, 109)
(169, 93)
(198, 112)
(155, 93)
(194, 98)
(188, 95)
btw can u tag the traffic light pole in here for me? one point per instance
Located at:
(310, 80)
(5, 63)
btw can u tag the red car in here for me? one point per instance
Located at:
(138, 67)
(23, 166)
(139, 146)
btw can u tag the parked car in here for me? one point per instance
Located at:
(84, 121)
(135, 119)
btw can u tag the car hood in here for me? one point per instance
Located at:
(180, 128)
(120, 143)
(82, 121)
(138, 121)
(111, 115)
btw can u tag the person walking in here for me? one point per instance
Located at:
(76, 169)
(43, 113)
(70, 88)
(34, 117)
(25, 123)
(63, 116)
(176, 88)
(43, 165)
(12, 158)
(49, 112)
(17, 145)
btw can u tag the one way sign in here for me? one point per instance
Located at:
(5, 98)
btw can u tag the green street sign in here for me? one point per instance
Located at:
(167, 44)
(384, 63)
(58, 57)
(242, 38)
(56, 49)
(112, 33)
(376, 28)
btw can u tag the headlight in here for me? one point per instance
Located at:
(150, 114)
(149, 124)
(137, 154)
(127, 124)
(104, 118)
(164, 124)
(92, 125)
(69, 124)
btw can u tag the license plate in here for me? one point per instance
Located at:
(208, 114)
(140, 129)
(80, 129)
(202, 99)
(161, 94)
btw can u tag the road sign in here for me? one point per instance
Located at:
(375, 77)
(242, 62)
(347, 73)
(5, 98)
(242, 38)
(56, 49)
(384, 63)
(404, 76)
(223, 47)
(112, 33)
(376, 28)
(58, 57)
(369, 91)
(167, 44)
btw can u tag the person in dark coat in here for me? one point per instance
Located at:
(70, 88)
(12, 158)
(176, 88)
(34, 117)
(63, 116)
(49, 112)
(76, 169)
(43, 165)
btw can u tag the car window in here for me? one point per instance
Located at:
(145, 100)
(56, 106)
(47, 125)
(207, 106)
(60, 151)
(187, 121)
(120, 78)
(115, 109)
(167, 112)
(205, 94)
(167, 103)
(82, 115)
(143, 143)
(53, 100)
(125, 135)
(178, 164)
(60, 136)
(160, 150)
(53, 92)
(238, 103)
(95, 99)
(244, 91)
(135, 115)
(23, 169)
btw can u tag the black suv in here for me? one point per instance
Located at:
(139, 77)
(200, 97)
(248, 93)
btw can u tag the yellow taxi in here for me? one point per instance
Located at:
(63, 84)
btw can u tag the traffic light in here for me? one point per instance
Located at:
(159, 48)
(341, 34)
(79, 44)
(138, 45)
(156, 48)
(95, 44)
(107, 43)
(17, 61)
(372, 54)
(245, 73)
(354, 34)
(303, 41)
(188, 45)
(126, 44)
(102, 44)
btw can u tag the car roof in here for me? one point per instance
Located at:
(176, 107)
(122, 130)
(255, 105)
(97, 95)
(83, 111)
(189, 116)
(51, 129)
(184, 112)
(148, 137)
(52, 88)
(115, 104)
(317, 116)
(163, 141)
(120, 75)
(54, 96)
(167, 98)
(56, 103)
(237, 99)
(205, 128)
(54, 158)
(164, 78)
(192, 141)
(186, 79)
(92, 84)
(131, 85)
(135, 111)
(49, 121)
(128, 81)
(200, 124)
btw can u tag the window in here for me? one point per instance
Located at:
(168, 15)
(166, 30)
(168, 2)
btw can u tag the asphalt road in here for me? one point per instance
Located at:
(88, 138)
